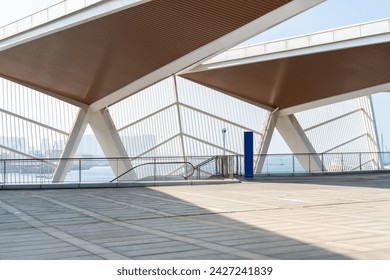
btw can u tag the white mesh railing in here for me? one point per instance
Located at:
(53, 12)
(305, 41)
(98, 170)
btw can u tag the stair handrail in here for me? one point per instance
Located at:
(154, 163)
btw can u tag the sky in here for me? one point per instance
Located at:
(330, 14)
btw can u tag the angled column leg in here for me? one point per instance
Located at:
(371, 131)
(71, 146)
(266, 136)
(292, 132)
(110, 142)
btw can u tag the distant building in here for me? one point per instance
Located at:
(89, 146)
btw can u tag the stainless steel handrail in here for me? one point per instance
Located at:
(157, 163)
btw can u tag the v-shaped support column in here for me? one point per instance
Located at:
(372, 131)
(266, 137)
(294, 136)
(73, 143)
(108, 138)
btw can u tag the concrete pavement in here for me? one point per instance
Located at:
(301, 218)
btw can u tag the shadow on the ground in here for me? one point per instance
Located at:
(160, 226)
(368, 180)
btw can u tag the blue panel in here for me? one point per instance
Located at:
(248, 154)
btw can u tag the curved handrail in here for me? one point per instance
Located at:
(155, 163)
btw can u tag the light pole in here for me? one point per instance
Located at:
(224, 141)
(223, 161)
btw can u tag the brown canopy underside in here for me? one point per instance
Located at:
(297, 80)
(91, 60)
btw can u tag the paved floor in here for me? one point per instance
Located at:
(345, 217)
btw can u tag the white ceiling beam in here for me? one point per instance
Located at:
(76, 18)
(326, 41)
(338, 98)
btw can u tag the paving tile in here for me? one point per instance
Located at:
(201, 254)
(269, 244)
(42, 253)
(147, 246)
(302, 255)
(111, 243)
(252, 220)
(158, 250)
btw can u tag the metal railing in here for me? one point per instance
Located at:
(182, 169)
(99, 170)
(53, 12)
(307, 40)
(325, 163)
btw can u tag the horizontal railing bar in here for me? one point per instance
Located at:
(192, 156)
(33, 171)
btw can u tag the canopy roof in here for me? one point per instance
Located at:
(286, 82)
(89, 61)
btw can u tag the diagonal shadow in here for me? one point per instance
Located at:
(145, 223)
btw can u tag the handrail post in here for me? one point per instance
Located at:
(322, 163)
(241, 160)
(237, 158)
(41, 171)
(378, 162)
(309, 163)
(79, 170)
(360, 161)
(4, 170)
(154, 169)
(293, 163)
(186, 169)
(222, 167)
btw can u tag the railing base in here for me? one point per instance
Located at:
(117, 185)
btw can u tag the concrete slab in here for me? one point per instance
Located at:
(287, 218)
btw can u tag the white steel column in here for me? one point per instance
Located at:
(266, 136)
(110, 142)
(292, 132)
(71, 146)
(179, 116)
(372, 132)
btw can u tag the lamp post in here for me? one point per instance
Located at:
(224, 141)
(223, 161)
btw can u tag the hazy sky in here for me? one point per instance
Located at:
(327, 15)
(330, 14)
